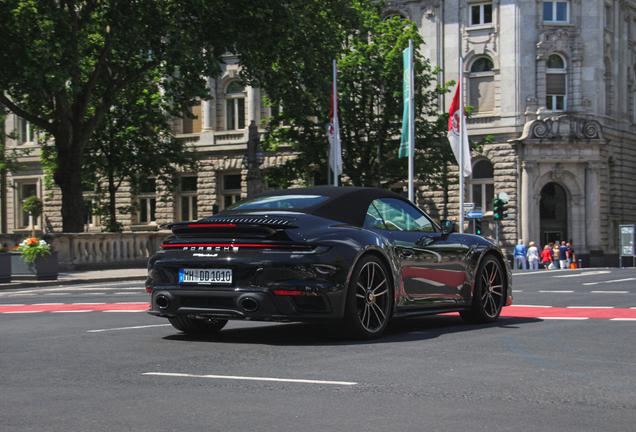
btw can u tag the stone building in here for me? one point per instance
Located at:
(552, 81)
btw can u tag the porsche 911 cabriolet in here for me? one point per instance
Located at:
(356, 256)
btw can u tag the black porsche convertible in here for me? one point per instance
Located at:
(358, 256)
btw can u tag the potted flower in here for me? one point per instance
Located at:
(34, 258)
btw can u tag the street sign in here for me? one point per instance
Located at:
(469, 206)
(474, 214)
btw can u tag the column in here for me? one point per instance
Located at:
(592, 206)
(526, 200)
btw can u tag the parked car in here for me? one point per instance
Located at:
(358, 256)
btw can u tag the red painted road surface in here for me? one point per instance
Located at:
(513, 311)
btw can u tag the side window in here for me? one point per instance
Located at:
(402, 216)
(373, 219)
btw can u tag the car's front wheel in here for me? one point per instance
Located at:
(488, 294)
(368, 306)
(196, 326)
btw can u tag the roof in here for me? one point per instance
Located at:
(346, 204)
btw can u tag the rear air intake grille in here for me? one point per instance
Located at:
(250, 220)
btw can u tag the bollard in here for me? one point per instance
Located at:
(580, 263)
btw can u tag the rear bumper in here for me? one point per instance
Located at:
(260, 304)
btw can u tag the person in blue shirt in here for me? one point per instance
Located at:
(564, 256)
(520, 255)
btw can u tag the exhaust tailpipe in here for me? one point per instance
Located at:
(248, 304)
(162, 302)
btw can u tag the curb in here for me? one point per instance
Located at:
(62, 282)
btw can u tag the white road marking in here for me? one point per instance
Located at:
(609, 292)
(127, 311)
(71, 311)
(622, 319)
(564, 318)
(590, 307)
(302, 381)
(533, 306)
(127, 328)
(556, 292)
(591, 273)
(610, 281)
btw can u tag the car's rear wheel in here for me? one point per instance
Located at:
(196, 326)
(489, 293)
(368, 307)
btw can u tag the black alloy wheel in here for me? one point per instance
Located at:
(489, 293)
(369, 300)
(197, 326)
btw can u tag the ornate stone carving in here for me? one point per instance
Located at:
(562, 127)
(557, 171)
(392, 7)
(560, 40)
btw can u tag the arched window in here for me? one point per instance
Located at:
(234, 106)
(482, 85)
(556, 83)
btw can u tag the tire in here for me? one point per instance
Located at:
(488, 294)
(196, 326)
(369, 300)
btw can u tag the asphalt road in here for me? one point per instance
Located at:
(88, 358)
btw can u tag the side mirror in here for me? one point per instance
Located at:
(449, 227)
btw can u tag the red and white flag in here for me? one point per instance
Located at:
(459, 140)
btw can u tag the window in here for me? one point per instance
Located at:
(556, 12)
(25, 131)
(482, 85)
(401, 216)
(231, 189)
(483, 191)
(481, 14)
(373, 219)
(608, 86)
(556, 83)
(188, 198)
(235, 106)
(25, 190)
(608, 17)
(147, 200)
(193, 125)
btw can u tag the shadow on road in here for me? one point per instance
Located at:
(311, 334)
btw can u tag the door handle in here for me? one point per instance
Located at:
(406, 254)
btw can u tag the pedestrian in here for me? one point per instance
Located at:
(555, 255)
(564, 256)
(572, 256)
(533, 256)
(520, 255)
(546, 257)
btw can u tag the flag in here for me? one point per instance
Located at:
(333, 131)
(404, 143)
(457, 124)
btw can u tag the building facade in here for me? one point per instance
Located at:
(552, 81)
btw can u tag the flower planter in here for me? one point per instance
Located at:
(5, 267)
(43, 268)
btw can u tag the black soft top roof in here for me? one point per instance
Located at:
(346, 204)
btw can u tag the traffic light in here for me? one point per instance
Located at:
(478, 226)
(500, 209)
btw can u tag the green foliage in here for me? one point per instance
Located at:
(33, 206)
(65, 63)
(370, 71)
(134, 143)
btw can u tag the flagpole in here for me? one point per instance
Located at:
(411, 123)
(336, 138)
(462, 131)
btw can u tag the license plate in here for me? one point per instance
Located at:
(205, 276)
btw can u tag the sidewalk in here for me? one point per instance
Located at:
(79, 277)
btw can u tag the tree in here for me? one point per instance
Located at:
(65, 62)
(134, 143)
(370, 70)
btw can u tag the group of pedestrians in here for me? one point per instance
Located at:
(553, 256)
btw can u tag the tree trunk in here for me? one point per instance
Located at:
(68, 176)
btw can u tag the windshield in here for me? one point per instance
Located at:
(279, 202)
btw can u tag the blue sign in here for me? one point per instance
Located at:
(474, 214)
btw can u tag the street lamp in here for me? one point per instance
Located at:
(377, 93)
(253, 160)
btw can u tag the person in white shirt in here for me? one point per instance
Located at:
(533, 256)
